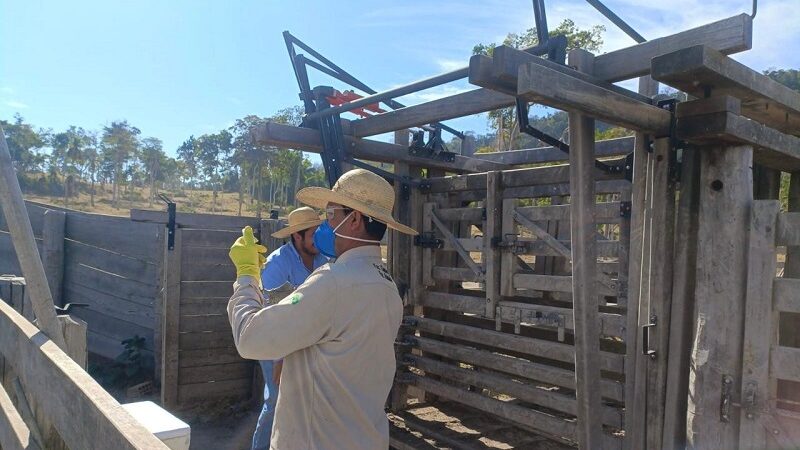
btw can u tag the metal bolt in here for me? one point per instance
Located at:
(776, 432)
(749, 415)
(728, 380)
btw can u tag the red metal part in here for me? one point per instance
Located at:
(340, 98)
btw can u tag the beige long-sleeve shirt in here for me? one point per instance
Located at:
(336, 334)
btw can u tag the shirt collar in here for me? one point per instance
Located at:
(364, 251)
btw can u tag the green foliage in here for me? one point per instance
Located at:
(612, 133)
(24, 144)
(131, 367)
(787, 77)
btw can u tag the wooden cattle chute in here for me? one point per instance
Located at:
(598, 307)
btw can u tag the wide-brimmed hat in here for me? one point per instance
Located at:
(300, 219)
(362, 191)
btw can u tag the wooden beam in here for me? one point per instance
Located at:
(170, 321)
(19, 224)
(774, 149)
(546, 86)
(14, 433)
(53, 252)
(584, 259)
(702, 72)
(309, 140)
(492, 230)
(85, 415)
(729, 36)
(605, 148)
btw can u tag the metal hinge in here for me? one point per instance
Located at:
(625, 209)
(725, 399)
(427, 240)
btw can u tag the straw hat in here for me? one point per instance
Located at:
(300, 219)
(362, 191)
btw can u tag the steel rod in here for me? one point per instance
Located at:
(610, 15)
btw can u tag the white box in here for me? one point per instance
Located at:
(173, 432)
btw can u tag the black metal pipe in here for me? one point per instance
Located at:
(396, 92)
(598, 5)
(540, 18)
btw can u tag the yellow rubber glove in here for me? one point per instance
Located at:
(247, 255)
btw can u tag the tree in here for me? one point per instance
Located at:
(92, 162)
(788, 77)
(68, 157)
(120, 143)
(504, 121)
(152, 157)
(212, 152)
(23, 143)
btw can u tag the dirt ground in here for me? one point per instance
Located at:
(446, 425)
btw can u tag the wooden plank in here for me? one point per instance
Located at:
(205, 340)
(549, 87)
(195, 220)
(546, 423)
(210, 238)
(427, 253)
(456, 245)
(9, 265)
(206, 289)
(785, 363)
(787, 294)
(205, 255)
(134, 239)
(680, 332)
(454, 274)
(192, 394)
(502, 384)
(129, 289)
(725, 201)
(543, 373)
(199, 323)
(516, 343)
(461, 214)
(761, 264)
(555, 283)
(543, 235)
(208, 357)
(492, 230)
(584, 259)
(217, 372)
(610, 324)
(604, 212)
(702, 106)
(702, 71)
(788, 229)
(309, 140)
(775, 150)
(108, 305)
(114, 327)
(731, 35)
(453, 302)
(223, 271)
(170, 322)
(560, 189)
(508, 263)
(77, 253)
(84, 414)
(53, 252)
(203, 305)
(14, 433)
(604, 148)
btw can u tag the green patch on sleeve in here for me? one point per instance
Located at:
(295, 298)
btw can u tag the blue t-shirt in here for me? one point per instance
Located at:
(284, 264)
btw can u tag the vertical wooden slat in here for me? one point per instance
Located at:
(427, 253)
(53, 252)
(584, 269)
(638, 252)
(491, 254)
(761, 264)
(508, 261)
(659, 276)
(726, 196)
(683, 282)
(790, 324)
(170, 322)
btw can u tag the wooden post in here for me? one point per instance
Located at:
(170, 322)
(758, 316)
(494, 226)
(683, 283)
(638, 253)
(468, 145)
(789, 324)
(19, 224)
(584, 269)
(766, 183)
(53, 249)
(726, 196)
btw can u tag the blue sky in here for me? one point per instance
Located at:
(177, 68)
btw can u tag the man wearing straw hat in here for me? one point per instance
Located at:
(335, 332)
(289, 265)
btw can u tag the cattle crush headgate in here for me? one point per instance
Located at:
(610, 294)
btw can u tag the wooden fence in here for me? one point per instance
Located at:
(496, 315)
(109, 263)
(198, 357)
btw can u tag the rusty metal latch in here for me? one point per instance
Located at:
(646, 350)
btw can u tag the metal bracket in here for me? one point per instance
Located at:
(171, 212)
(433, 149)
(646, 338)
(625, 209)
(405, 191)
(629, 167)
(427, 240)
(749, 399)
(725, 399)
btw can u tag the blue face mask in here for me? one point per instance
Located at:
(325, 239)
